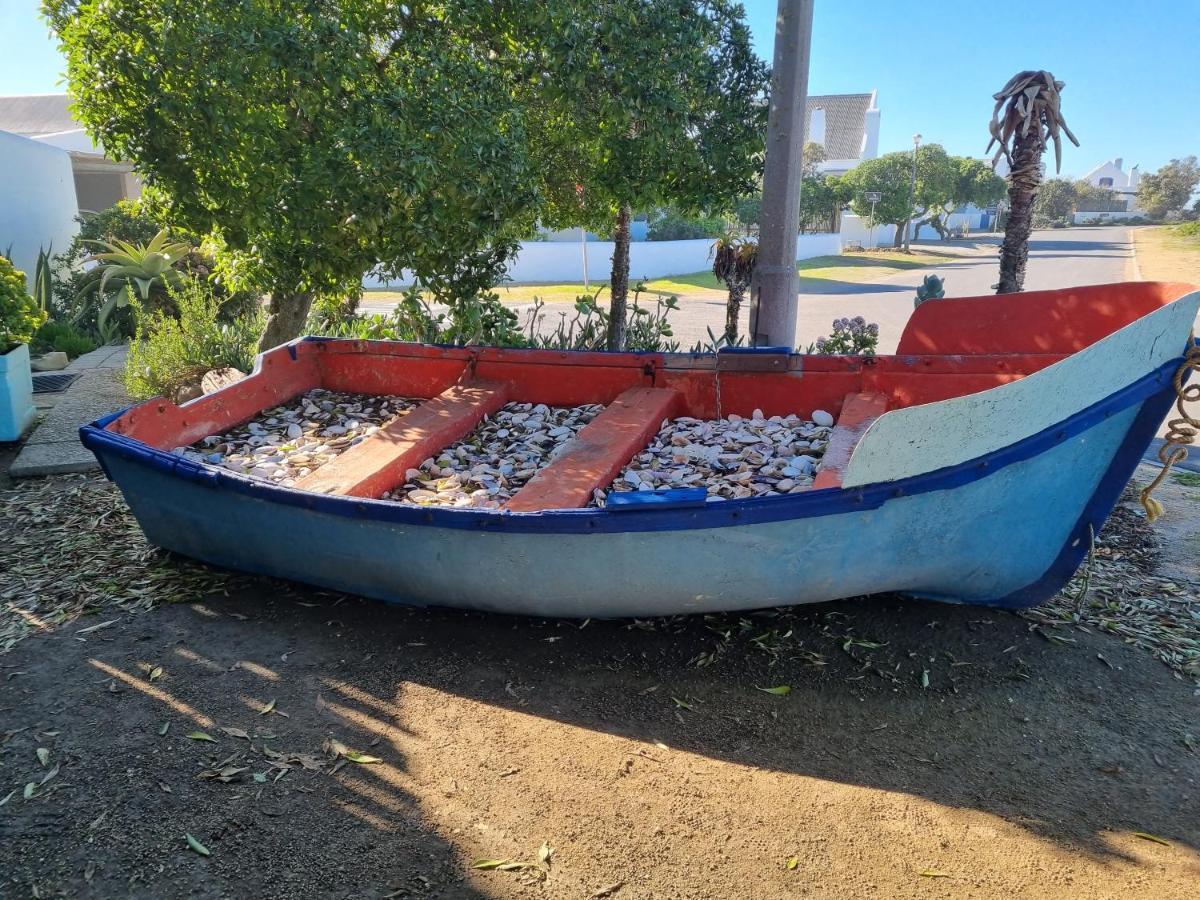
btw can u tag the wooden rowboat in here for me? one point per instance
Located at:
(973, 466)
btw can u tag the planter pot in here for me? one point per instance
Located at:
(16, 394)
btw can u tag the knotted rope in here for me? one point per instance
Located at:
(1181, 432)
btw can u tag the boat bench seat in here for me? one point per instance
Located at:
(859, 411)
(599, 451)
(380, 462)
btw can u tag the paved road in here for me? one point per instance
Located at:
(1057, 259)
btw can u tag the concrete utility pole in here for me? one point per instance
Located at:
(773, 295)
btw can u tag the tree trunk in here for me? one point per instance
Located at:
(286, 315)
(619, 286)
(733, 307)
(898, 241)
(1023, 184)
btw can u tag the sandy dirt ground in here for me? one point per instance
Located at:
(365, 751)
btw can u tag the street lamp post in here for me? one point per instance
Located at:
(912, 192)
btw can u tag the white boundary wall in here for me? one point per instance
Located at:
(37, 199)
(856, 231)
(561, 261)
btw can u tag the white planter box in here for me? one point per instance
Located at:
(16, 394)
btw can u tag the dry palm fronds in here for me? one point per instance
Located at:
(1030, 100)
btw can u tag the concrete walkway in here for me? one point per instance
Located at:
(53, 448)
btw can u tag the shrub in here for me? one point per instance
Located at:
(850, 337)
(672, 226)
(1187, 229)
(479, 320)
(169, 353)
(19, 313)
(63, 337)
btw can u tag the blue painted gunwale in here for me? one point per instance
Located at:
(828, 501)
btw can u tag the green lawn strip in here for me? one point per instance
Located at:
(852, 267)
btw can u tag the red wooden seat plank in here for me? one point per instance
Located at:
(597, 454)
(379, 462)
(858, 412)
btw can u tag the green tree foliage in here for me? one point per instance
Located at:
(316, 142)
(1057, 200)
(654, 103)
(1169, 189)
(19, 313)
(938, 180)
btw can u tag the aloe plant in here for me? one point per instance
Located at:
(43, 279)
(134, 271)
(734, 260)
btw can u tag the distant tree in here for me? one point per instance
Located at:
(974, 184)
(891, 176)
(1056, 199)
(1093, 198)
(814, 155)
(1028, 113)
(659, 103)
(1169, 189)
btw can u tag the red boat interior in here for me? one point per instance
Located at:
(949, 348)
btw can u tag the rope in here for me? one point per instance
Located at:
(1181, 432)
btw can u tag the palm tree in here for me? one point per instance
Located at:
(733, 263)
(1031, 114)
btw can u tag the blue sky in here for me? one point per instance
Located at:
(1130, 68)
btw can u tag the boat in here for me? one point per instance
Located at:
(975, 465)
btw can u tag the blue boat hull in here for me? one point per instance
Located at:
(1007, 529)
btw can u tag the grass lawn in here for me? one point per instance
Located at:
(1165, 255)
(702, 285)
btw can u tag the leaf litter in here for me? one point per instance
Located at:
(70, 546)
(1124, 597)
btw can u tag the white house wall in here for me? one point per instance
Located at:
(548, 261)
(37, 199)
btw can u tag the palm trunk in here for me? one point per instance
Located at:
(733, 307)
(286, 315)
(1023, 183)
(619, 286)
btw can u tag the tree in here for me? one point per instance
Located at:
(316, 142)
(659, 103)
(1093, 198)
(891, 176)
(1057, 199)
(1169, 189)
(974, 183)
(1031, 102)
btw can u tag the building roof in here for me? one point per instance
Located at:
(845, 122)
(36, 115)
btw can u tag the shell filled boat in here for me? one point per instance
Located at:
(974, 466)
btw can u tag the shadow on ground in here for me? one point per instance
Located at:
(483, 722)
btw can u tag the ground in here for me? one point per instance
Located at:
(1165, 255)
(846, 267)
(918, 750)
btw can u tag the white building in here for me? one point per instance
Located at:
(847, 126)
(1123, 184)
(46, 118)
